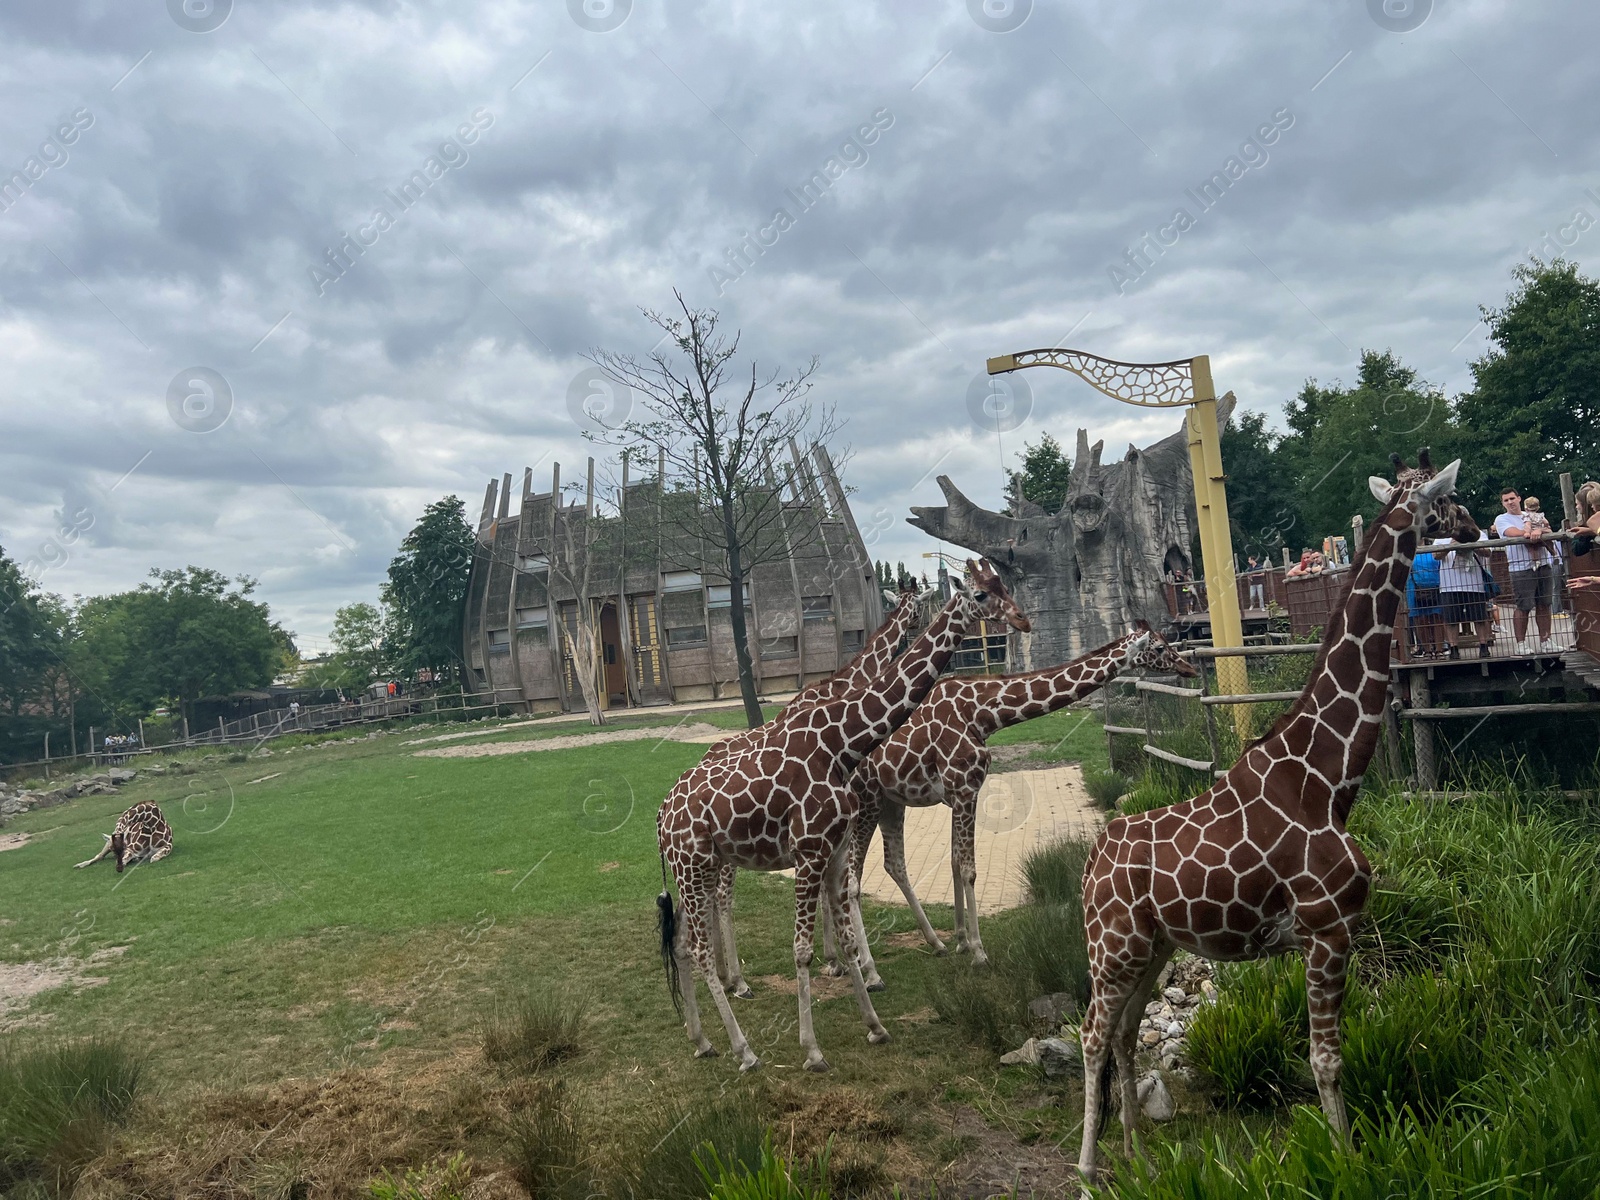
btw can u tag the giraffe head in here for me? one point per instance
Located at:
(1150, 651)
(991, 594)
(119, 848)
(1425, 498)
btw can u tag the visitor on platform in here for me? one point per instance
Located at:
(1183, 591)
(1462, 596)
(1587, 526)
(1530, 573)
(1254, 570)
(1312, 562)
(1422, 607)
(1553, 546)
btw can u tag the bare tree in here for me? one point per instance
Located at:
(578, 548)
(731, 438)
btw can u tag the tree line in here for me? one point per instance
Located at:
(1529, 416)
(109, 661)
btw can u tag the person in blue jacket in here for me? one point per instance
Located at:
(1422, 604)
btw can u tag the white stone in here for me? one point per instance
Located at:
(1059, 1057)
(1175, 995)
(1155, 1099)
(1208, 991)
(1026, 1055)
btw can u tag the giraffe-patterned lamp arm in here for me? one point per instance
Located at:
(1149, 385)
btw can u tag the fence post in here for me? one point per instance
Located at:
(47, 754)
(222, 731)
(1211, 718)
(1358, 529)
(1111, 756)
(91, 748)
(1391, 736)
(1422, 734)
(141, 733)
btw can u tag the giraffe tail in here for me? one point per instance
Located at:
(668, 916)
(1105, 1097)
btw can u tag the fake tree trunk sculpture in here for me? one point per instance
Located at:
(1086, 573)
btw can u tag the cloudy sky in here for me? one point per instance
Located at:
(183, 173)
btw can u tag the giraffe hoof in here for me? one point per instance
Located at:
(979, 959)
(876, 985)
(818, 1064)
(939, 948)
(706, 1052)
(752, 1064)
(879, 1037)
(743, 992)
(833, 971)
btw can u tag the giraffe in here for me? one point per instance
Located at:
(141, 832)
(785, 801)
(1260, 863)
(869, 662)
(938, 756)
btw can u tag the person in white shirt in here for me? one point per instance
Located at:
(1530, 572)
(1462, 596)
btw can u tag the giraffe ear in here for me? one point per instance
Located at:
(1382, 489)
(1443, 483)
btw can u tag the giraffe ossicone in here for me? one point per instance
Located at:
(1260, 863)
(784, 800)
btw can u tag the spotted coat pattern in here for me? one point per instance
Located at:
(785, 801)
(1261, 864)
(141, 832)
(938, 757)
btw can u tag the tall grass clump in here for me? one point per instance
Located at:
(1054, 872)
(772, 1178)
(544, 1142)
(728, 1132)
(448, 1182)
(532, 1031)
(1105, 788)
(1248, 1049)
(59, 1105)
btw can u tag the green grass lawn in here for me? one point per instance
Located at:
(364, 908)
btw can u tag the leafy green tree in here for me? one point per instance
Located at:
(360, 649)
(33, 643)
(1262, 504)
(1044, 475)
(426, 591)
(1533, 410)
(190, 633)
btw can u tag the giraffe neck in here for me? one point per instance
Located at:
(1334, 727)
(879, 651)
(870, 717)
(1018, 698)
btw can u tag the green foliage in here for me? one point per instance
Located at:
(544, 1141)
(1045, 473)
(1536, 391)
(533, 1031)
(360, 649)
(1106, 787)
(59, 1105)
(33, 638)
(773, 1178)
(1054, 872)
(1413, 1047)
(1247, 1048)
(447, 1182)
(667, 1168)
(426, 590)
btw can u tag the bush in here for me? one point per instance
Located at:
(1105, 787)
(544, 1142)
(985, 1006)
(771, 1179)
(1045, 950)
(1249, 1047)
(59, 1105)
(1412, 1048)
(1054, 873)
(531, 1032)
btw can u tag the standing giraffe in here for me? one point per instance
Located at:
(1261, 864)
(938, 756)
(786, 802)
(869, 663)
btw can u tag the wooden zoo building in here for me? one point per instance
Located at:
(663, 610)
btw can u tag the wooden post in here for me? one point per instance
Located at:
(1211, 718)
(141, 733)
(1358, 529)
(222, 731)
(1391, 736)
(1422, 734)
(185, 730)
(1569, 499)
(91, 746)
(47, 754)
(1111, 757)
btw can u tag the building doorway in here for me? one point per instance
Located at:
(612, 672)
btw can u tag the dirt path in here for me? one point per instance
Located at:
(699, 731)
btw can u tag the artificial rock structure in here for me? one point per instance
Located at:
(1085, 573)
(664, 614)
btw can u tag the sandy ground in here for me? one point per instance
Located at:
(21, 982)
(698, 731)
(10, 841)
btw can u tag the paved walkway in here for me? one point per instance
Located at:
(1017, 810)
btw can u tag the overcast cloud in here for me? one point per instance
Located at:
(186, 180)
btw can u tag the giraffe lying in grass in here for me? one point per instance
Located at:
(140, 833)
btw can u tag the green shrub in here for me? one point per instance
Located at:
(544, 1143)
(664, 1167)
(1249, 1047)
(448, 1182)
(771, 1179)
(59, 1105)
(1105, 787)
(1044, 950)
(1054, 873)
(530, 1032)
(1412, 1048)
(987, 1007)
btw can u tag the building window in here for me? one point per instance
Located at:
(687, 635)
(533, 564)
(499, 641)
(533, 618)
(720, 595)
(680, 581)
(780, 647)
(851, 638)
(816, 608)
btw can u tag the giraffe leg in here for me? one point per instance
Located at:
(855, 854)
(1113, 983)
(847, 922)
(830, 951)
(161, 852)
(964, 867)
(104, 850)
(729, 967)
(698, 904)
(1327, 958)
(808, 885)
(892, 819)
(1126, 1043)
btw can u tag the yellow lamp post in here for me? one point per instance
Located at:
(1185, 383)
